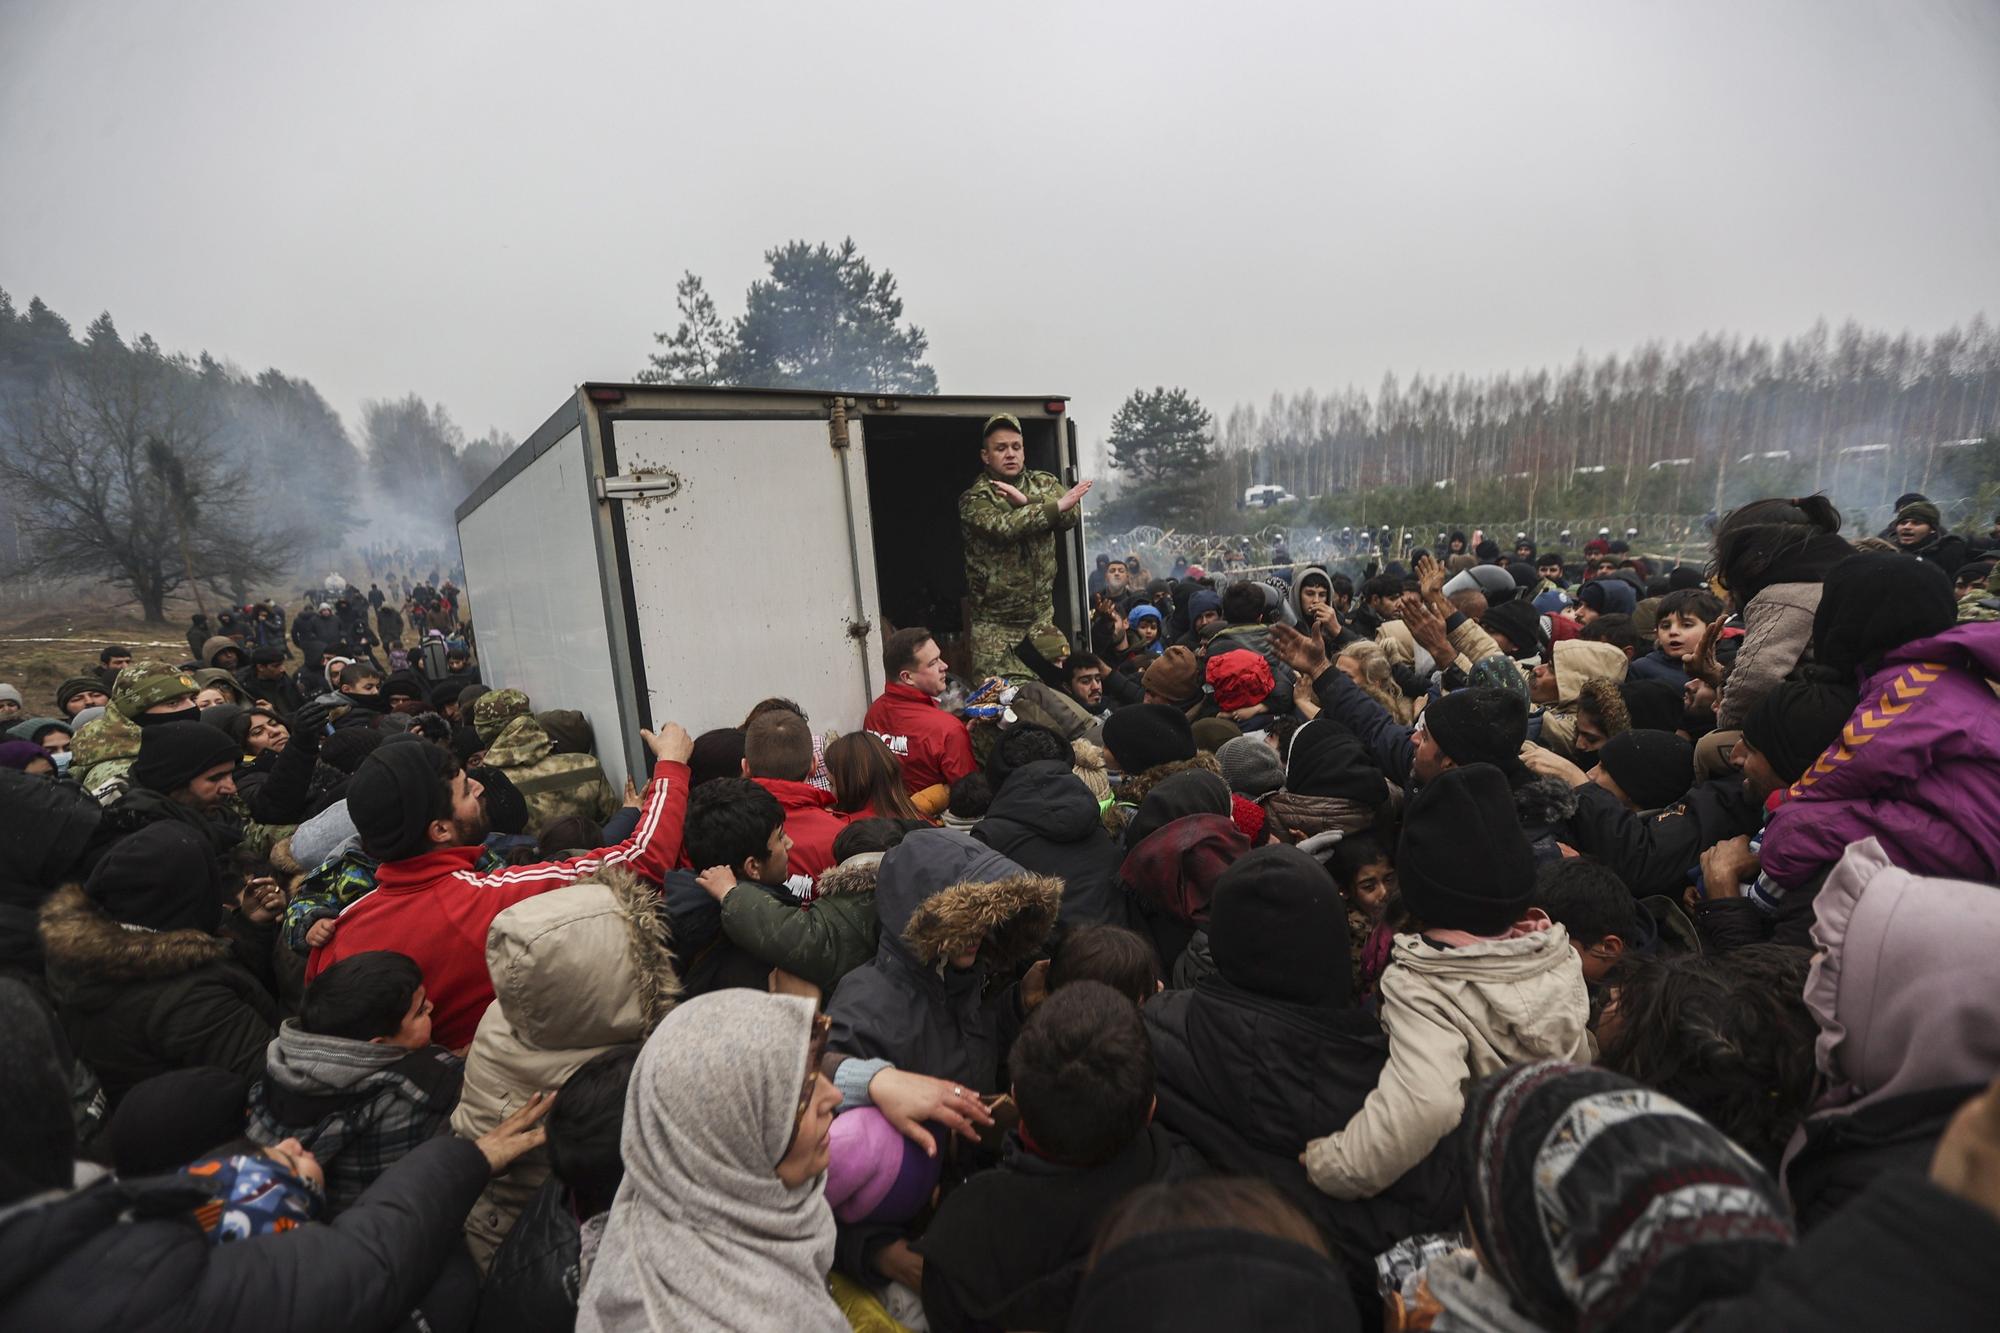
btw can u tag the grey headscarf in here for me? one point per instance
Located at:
(703, 1233)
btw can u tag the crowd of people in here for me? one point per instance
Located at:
(1505, 940)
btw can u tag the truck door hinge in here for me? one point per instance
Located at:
(643, 485)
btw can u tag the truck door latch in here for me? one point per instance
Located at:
(643, 485)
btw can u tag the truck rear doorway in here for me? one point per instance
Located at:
(918, 466)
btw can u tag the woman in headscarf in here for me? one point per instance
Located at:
(1330, 783)
(722, 1221)
(1771, 556)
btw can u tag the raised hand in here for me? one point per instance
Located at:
(1012, 494)
(1074, 496)
(1303, 653)
(671, 743)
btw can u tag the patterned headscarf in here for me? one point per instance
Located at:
(1601, 1204)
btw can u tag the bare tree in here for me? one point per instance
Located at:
(110, 466)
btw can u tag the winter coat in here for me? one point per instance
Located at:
(437, 907)
(1657, 666)
(554, 785)
(1007, 1249)
(1777, 637)
(821, 941)
(136, 1003)
(1577, 662)
(937, 893)
(1917, 768)
(358, 1106)
(1906, 1254)
(45, 828)
(1249, 1080)
(1257, 639)
(1046, 821)
(1944, 549)
(1659, 853)
(575, 972)
(934, 747)
(537, 1273)
(811, 823)
(126, 1256)
(1909, 1020)
(1453, 1014)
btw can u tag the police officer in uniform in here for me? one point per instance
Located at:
(1009, 518)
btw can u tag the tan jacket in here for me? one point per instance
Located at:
(1577, 661)
(1452, 1014)
(575, 972)
(1777, 636)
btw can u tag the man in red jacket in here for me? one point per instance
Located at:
(778, 756)
(933, 745)
(424, 819)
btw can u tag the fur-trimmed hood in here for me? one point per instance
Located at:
(1604, 699)
(856, 874)
(586, 965)
(941, 892)
(1139, 785)
(1541, 802)
(1579, 661)
(83, 943)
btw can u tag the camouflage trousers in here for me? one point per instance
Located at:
(993, 643)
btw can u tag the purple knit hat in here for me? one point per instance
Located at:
(873, 1173)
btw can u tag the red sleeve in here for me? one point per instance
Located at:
(653, 849)
(956, 760)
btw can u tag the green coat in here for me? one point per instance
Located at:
(822, 941)
(1010, 553)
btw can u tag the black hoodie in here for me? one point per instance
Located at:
(1045, 820)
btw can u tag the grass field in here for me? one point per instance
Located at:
(41, 649)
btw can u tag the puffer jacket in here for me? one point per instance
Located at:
(1577, 662)
(554, 785)
(1453, 1014)
(135, 1003)
(575, 972)
(1045, 820)
(45, 827)
(1917, 768)
(1777, 637)
(821, 941)
(938, 893)
(1249, 1079)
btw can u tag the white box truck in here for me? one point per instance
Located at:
(658, 553)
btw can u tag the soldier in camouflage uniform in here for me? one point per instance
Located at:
(104, 750)
(553, 785)
(1009, 518)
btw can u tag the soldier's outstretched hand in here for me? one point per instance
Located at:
(1012, 494)
(1074, 496)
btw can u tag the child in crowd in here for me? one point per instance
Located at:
(1367, 879)
(355, 1078)
(1596, 910)
(1482, 979)
(1122, 959)
(1685, 615)
(1008, 1248)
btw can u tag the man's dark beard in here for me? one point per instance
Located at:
(471, 832)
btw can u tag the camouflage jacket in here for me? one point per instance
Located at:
(553, 785)
(1010, 553)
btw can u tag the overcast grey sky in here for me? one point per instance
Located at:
(486, 201)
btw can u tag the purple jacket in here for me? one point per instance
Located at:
(1917, 768)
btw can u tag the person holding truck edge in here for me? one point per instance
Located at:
(1009, 518)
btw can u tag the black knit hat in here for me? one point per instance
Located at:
(1195, 792)
(1652, 705)
(1520, 622)
(506, 808)
(174, 755)
(1873, 602)
(162, 877)
(171, 1119)
(74, 686)
(717, 754)
(1145, 736)
(392, 796)
(1654, 768)
(1277, 927)
(1795, 721)
(1481, 725)
(1463, 862)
